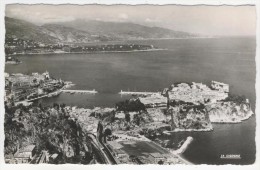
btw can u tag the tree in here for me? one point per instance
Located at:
(127, 117)
(107, 133)
(160, 162)
(136, 119)
(130, 105)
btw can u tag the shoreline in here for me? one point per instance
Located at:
(207, 37)
(143, 39)
(249, 115)
(55, 93)
(95, 52)
(191, 130)
(183, 38)
(173, 152)
(184, 146)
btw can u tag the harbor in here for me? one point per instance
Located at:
(124, 90)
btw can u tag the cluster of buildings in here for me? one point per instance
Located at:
(119, 142)
(199, 93)
(20, 46)
(23, 155)
(87, 118)
(154, 100)
(15, 46)
(20, 87)
(195, 93)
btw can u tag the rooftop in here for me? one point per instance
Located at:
(156, 155)
(22, 155)
(28, 148)
(115, 145)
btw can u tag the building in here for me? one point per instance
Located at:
(115, 149)
(46, 75)
(157, 157)
(9, 159)
(220, 86)
(114, 145)
(119, 153)
(25, 155)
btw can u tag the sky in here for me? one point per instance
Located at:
(205, 20)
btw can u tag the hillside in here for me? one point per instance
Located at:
(80, 31)
(48, 34)
(66, 34)
(24, 30)
(120, 30)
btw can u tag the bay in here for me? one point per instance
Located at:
(229, 60)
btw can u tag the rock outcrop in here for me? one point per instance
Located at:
(229, 112)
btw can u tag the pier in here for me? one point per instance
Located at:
(184, 146)
(79, 91)
(136, 93)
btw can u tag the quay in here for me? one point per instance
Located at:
(79, 91)
(137, 93)
(184, 146)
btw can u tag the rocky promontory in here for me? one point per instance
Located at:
(229, 112)
(195, 106)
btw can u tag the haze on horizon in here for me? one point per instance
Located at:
(204, 20)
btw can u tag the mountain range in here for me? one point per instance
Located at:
(81, 31)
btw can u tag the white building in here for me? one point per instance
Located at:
(220, 86)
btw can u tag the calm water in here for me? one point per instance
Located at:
(230, 60)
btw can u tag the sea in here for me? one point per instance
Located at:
(227, 59)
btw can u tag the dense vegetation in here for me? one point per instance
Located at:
(188, 116)
(236, 98)
(49, 129)
(131, 105)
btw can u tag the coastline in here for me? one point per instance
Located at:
(192, 130)
(55, 93)
(95, 52)
(173, 152)
(13, 62)
(249, 115)
(183, 38)
(184, 159)
(143, 39)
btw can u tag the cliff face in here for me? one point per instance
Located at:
(229, 112)
(189, 117)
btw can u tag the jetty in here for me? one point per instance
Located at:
(79, 91)
(136, 93)
(184, 146)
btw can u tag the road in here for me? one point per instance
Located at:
(102, 151)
